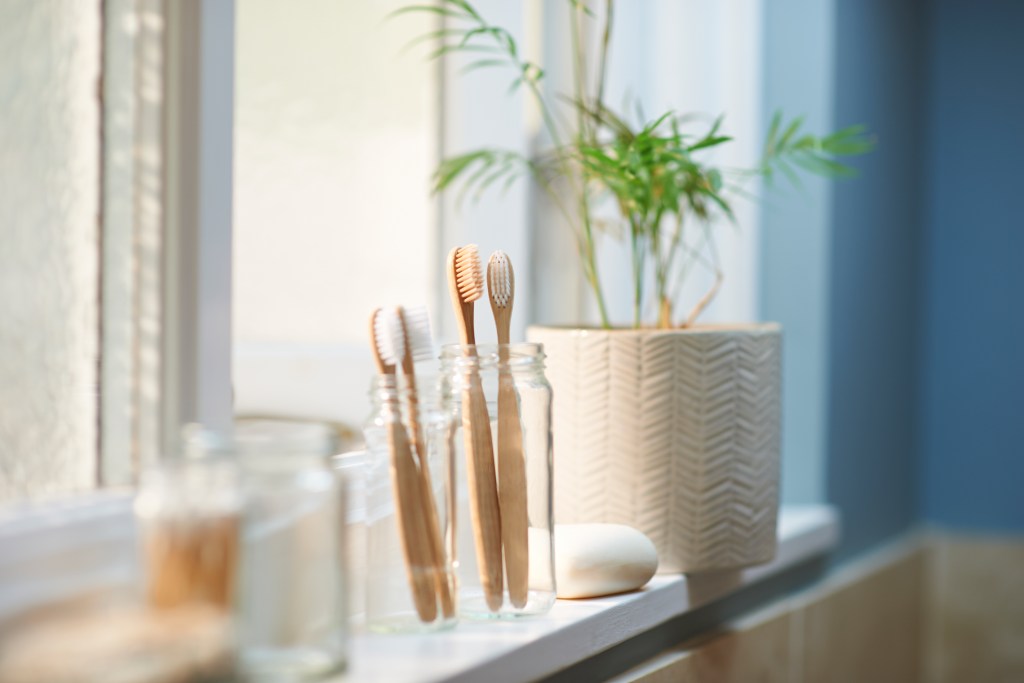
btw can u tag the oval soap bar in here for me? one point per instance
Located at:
(601, 559)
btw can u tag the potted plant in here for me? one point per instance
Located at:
(669, 426)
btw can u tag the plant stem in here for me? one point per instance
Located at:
(661, 272)
(636, 243)
(605, 41)
(715, 286)
(586, 238)
(588, 250)
(578, 67)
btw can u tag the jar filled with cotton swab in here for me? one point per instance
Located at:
(189, 513)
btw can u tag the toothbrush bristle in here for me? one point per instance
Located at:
(468, 275)
(388, 331)
(417, 333)
(499, 278)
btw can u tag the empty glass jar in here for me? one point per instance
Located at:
(499, 402)
(293, 621)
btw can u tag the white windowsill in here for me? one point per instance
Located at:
(97, 534)
(575, 630)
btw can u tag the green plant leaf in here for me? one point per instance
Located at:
(482, 64)
(773, 131)
(432, 9)
(791, 130)
(715, 179)
(579, 4)
(822, 166)
(708, 142)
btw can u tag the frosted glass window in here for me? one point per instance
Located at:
(335, 145)
(49, 245)
(335, 140)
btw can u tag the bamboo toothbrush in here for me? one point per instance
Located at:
(412, 528)
(501, 285)
(465, 284)
(418, 344)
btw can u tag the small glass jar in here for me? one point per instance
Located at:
(293, 621)
(500, 404)
(350, 468)
(189, 514)
(410, 580)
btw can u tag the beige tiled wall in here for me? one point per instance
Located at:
(941, 610)
(759, 649)
(975, 610)
(866, 627)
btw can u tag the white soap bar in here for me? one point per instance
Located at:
(601, 559)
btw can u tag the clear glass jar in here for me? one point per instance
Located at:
(189, 514)
(410, 580)
(500, 404)
(350, 467)
(293, 620)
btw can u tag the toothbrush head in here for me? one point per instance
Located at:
(418, 340)
(500, 279)
(388, 337)
(469, 279)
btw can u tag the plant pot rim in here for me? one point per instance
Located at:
(702, 328)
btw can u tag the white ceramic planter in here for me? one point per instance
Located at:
(673, 432)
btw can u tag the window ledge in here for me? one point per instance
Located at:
(576, 630)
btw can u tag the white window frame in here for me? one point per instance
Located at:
(168, 76)
(199, 115)
(168, 94)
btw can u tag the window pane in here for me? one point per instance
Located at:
(335, 144)
(335, 141)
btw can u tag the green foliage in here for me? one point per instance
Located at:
(658, 176)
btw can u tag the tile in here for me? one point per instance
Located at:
(868, 627)
(976, 611)
(754, 651)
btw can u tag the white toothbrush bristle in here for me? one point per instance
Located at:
(499, 278)
(469, 277)
(417, 333)
(387, 329)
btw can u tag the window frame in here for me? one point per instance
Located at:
(167, 169)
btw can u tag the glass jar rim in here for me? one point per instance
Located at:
(520, 350)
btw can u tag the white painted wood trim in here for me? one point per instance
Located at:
(197, 229)
(132, 243)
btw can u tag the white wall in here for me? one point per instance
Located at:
(49, 211)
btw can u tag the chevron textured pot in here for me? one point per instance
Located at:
(673, 432)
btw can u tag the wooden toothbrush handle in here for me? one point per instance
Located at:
(436, 543)
(434, 539)
(412, 529)
(483, 490)
(512, 492)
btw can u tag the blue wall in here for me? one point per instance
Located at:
(972, 426)
(876, 264)
(924, 350)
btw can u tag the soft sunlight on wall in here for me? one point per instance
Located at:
(49, 191)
